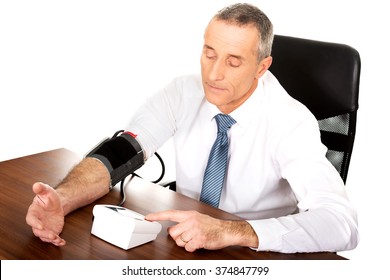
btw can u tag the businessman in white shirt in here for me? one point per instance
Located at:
(277, 179)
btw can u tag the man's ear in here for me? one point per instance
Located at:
(264, 65)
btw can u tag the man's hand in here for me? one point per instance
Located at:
(195, 230)
(45, 215)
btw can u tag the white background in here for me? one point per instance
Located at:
(72, 72)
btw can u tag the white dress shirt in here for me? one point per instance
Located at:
(278, 177)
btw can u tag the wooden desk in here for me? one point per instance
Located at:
(18, 242)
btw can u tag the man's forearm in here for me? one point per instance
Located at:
(241, 233)
(86, 182)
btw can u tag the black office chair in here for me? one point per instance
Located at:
(325, 77)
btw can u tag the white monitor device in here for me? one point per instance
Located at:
(123, 227)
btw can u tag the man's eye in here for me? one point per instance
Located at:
(210, 54)
(234, 63)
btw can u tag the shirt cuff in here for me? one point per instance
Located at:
(269, 233)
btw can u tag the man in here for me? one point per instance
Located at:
(277, 177)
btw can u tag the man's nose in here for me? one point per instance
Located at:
(217, 71)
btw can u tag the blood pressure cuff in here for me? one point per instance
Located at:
(122, 155)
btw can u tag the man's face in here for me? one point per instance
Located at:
(229, 64)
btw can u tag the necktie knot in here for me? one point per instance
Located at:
(224, 122)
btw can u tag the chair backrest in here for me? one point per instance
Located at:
(325, 77)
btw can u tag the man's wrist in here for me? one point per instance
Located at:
(241, 233)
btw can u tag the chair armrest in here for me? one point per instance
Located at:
(170, 184)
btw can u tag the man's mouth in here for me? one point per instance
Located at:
(214, 88)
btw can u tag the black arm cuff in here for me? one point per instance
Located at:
(122, 155)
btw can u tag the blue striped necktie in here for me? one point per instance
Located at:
(214, 175)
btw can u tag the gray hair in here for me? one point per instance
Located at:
(246, 14)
